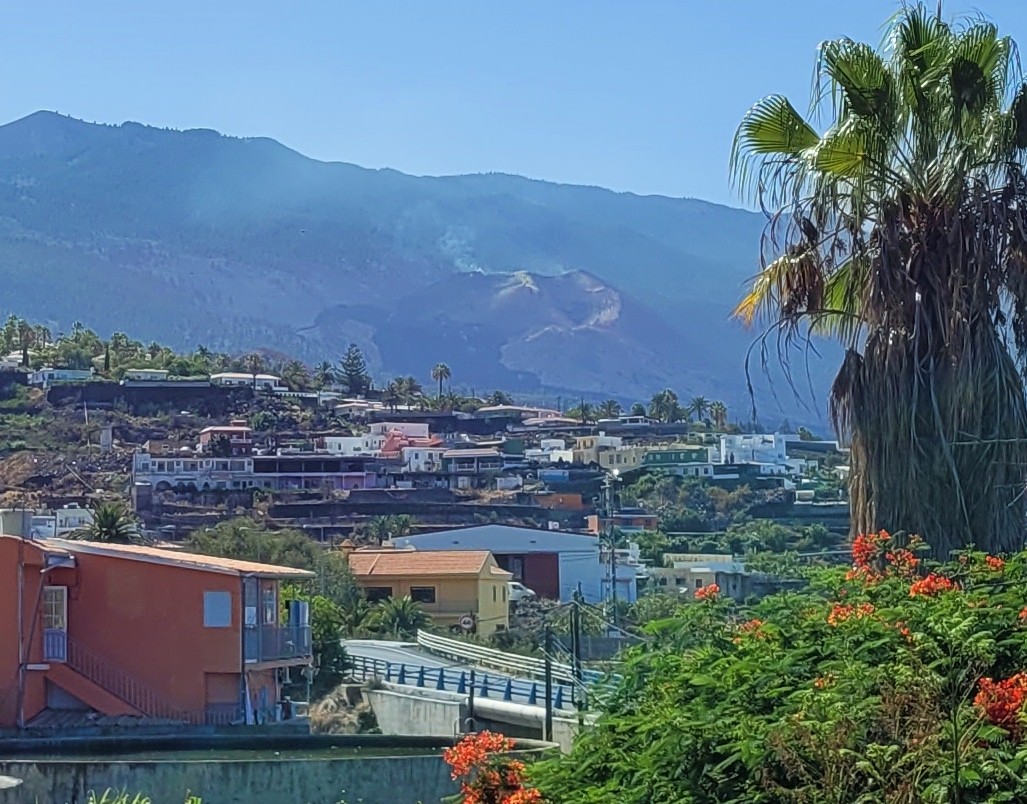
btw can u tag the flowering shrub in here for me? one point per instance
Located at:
(898, 679)
(932, 585)
(1002, 701)
(710, 592)
(841, 612)
(486, 776)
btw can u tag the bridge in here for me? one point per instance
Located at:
(446, 681)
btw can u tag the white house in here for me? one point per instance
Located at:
(146, 375)
(58, 523)
(347, 445)
(551, 562)
(409, 429)
(50, 376)
(544, 452)
(259, 381)
(422, 459)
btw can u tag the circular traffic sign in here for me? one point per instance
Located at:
(467, 622)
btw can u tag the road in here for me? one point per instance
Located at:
(412, 658)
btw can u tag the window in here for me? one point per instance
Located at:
(55, 607)
(376, 593)
(504, 594)
(217, 609)
(270, 606)
(698, 583)
(422, 594)
(494, 594)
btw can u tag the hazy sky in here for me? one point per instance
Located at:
(639, 95)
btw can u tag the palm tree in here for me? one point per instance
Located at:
(499, 398)
(902, 231)
(254, 364)
(400, 617)
(718, 412)
(664, 406)
(441, 374)
(638, 409)
(401, 525)
(583, 412)
(391, 396)
(609, 409)
(112, 522)
(698, 407)
(324, 375)
(295, 375)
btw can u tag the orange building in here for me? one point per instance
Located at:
(124, 630)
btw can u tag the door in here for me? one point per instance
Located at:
(55, 623)
(251, 627)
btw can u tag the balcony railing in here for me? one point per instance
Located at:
(277, 642)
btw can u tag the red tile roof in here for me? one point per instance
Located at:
(399, 563)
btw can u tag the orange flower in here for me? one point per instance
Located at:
(995, 563)
(1023, 614)
(932, 585)
(1002, 701)
(903, 561)
(707, 592)
(842, 612)
(823, 682)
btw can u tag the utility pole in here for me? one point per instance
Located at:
(612, 539)
(470, 724)
(547, 731)
(579, 691)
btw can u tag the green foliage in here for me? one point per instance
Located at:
(398, 618)
(352, 373)
(850, 691)
(112, 522)
(247, 540)
(114, 797)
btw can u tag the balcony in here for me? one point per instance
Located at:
(272, 643)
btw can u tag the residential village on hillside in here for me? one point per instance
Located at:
(470, 513)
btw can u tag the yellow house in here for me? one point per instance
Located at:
(460, 589)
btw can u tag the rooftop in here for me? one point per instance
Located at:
(471, 453)
(177, 558)
(391, 563)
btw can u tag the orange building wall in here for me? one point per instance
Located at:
(145, 619)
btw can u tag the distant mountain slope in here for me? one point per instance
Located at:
(237, 243)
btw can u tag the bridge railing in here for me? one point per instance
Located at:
(511, 663)
(459, 681)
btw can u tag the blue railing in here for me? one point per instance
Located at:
(459, 680)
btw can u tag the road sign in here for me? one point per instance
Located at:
(467, 622)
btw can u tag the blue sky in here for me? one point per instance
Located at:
(638, 95)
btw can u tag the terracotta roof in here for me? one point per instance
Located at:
(179, 558)
(392, 563)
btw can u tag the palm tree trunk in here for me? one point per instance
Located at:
(937, 439)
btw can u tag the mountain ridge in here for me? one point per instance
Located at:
(242, 242)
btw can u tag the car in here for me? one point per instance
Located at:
(516, 592)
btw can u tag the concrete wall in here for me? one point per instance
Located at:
(413, 711)
(377, 780)
(413, 774)
(418, 712)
